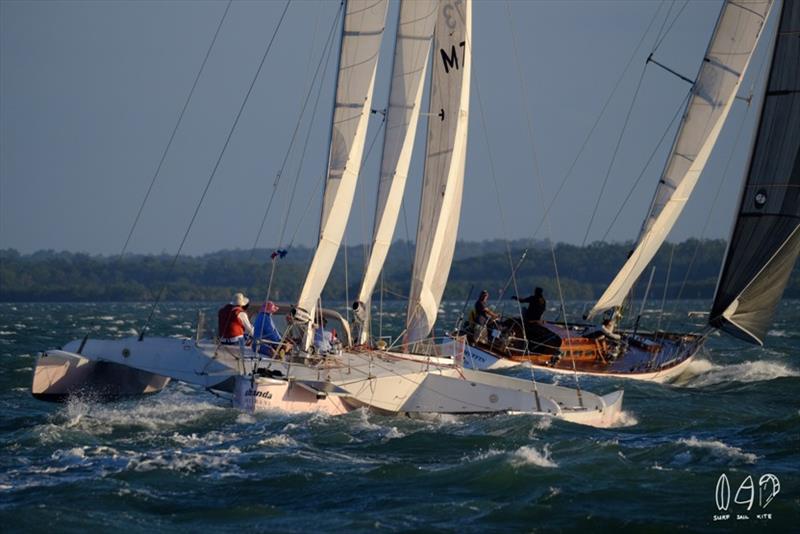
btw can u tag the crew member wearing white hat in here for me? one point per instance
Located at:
(233, 322)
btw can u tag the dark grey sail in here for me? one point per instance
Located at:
(766, 238)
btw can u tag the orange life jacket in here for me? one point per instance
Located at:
(229, 325)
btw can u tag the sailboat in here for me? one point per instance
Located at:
(391, 382)
(764, 243)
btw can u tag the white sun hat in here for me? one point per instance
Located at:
(239, 299)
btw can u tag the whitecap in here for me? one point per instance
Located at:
(749, 371)
(720, 449)
(281, 440)
(393, 433)
(779, 333)
(532, 456)
(544, 423)
(483, 455)
(245, 419)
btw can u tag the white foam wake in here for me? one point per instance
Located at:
(704, 373)
(720, 449)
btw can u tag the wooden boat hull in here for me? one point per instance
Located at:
(650, 357)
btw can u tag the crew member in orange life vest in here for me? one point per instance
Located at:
(233, 322)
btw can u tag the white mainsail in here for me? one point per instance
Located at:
(358, 58)
(412, 47)
(729, 52)
(444, 165)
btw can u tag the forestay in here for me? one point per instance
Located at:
(729, 52)
(412, 47)
(361, 40)
(444, 165)
(765, 241)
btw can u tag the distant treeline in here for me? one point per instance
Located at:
(583, 273)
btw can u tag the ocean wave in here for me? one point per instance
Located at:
(220, 463)
(703, 373)
(526, 455)
(720, 449)
(85, 414)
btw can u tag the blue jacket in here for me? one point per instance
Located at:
(264, 328)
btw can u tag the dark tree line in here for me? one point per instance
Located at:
(583, 272)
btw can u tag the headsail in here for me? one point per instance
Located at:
(729, 52)
(766, 236)
(444, 165)
(358, 58)
(413, 42)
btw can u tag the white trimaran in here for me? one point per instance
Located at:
(384, 381)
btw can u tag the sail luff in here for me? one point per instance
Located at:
(724, 64)
(361, 39)
(416, 20)
(444, 165)
(765, 240)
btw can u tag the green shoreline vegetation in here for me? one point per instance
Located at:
(48, 276)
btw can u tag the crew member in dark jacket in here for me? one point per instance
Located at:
(536, 305)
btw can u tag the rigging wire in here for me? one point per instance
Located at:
(216, 166)
(323, 57)
(614, 154)
(664, 36)
(503, 225)
(539, 181)
(677, 114)
(591, 131)
(663, 24)
(326, 57)
(174, 131)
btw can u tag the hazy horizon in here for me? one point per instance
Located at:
(89, 93)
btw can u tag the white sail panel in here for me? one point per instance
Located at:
(444, 165)
(358, 58)
(412, 47)
(729, 52)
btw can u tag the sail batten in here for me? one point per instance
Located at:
(712, 96)
(358, 57)
(443, 181)
(765, 240)
(412, 48)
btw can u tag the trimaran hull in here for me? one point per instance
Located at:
(380, 381)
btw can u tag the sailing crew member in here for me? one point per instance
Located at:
(233, 322)
(536, 305)
(323, 338)
(484, 314)
(605, 330)
(266, 336)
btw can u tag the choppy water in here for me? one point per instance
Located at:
(183, 460)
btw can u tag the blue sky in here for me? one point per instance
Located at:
(90, 91)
